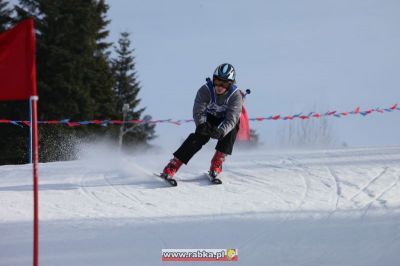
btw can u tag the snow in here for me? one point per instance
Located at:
(310, 207)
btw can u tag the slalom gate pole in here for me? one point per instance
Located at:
(30, 130)
(35, 160)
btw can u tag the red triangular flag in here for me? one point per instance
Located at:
(244, 127)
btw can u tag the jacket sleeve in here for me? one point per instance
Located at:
(234, 109)
(200, 105)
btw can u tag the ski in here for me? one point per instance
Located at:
(170, 180)
(213, 178)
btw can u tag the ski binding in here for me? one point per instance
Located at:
(213, 178)
(167, 178)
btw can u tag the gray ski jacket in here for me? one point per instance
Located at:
(231, 107)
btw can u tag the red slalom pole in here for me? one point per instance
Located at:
(35, 157)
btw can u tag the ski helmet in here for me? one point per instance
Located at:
(225, 72)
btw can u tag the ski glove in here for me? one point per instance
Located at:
(217, 133)
(203, 129)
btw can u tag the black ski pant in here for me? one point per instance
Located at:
(195, 142)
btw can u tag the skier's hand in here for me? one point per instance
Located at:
(217, 133)
(203, 129)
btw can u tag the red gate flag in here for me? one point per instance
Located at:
(17, 62)
(18, 82)
(244, 128)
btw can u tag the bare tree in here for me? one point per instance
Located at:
(310, 132)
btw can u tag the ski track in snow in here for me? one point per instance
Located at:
(338, 190)
(365, 187)
(380, 195)
(299, 169)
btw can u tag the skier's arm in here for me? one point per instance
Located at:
(232, 113)
(200, 105)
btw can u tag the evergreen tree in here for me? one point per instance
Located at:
(102, 85)
(126, 90)
(5, 15)
(28, 8)
(74, 75)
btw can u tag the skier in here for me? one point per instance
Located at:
(216, 111)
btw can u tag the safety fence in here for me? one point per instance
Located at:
(68, 122)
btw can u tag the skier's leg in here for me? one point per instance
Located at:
(216, 164)
(190, 147)
(225, 145)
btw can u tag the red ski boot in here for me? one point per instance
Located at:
(216, 167)
(171, 168)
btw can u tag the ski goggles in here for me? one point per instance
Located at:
(221, 83)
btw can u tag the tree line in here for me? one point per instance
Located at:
(77, 78)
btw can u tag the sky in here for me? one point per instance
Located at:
(296, 56)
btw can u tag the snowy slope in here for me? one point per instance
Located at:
(321, 207)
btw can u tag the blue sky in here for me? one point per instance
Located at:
(296, 56)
